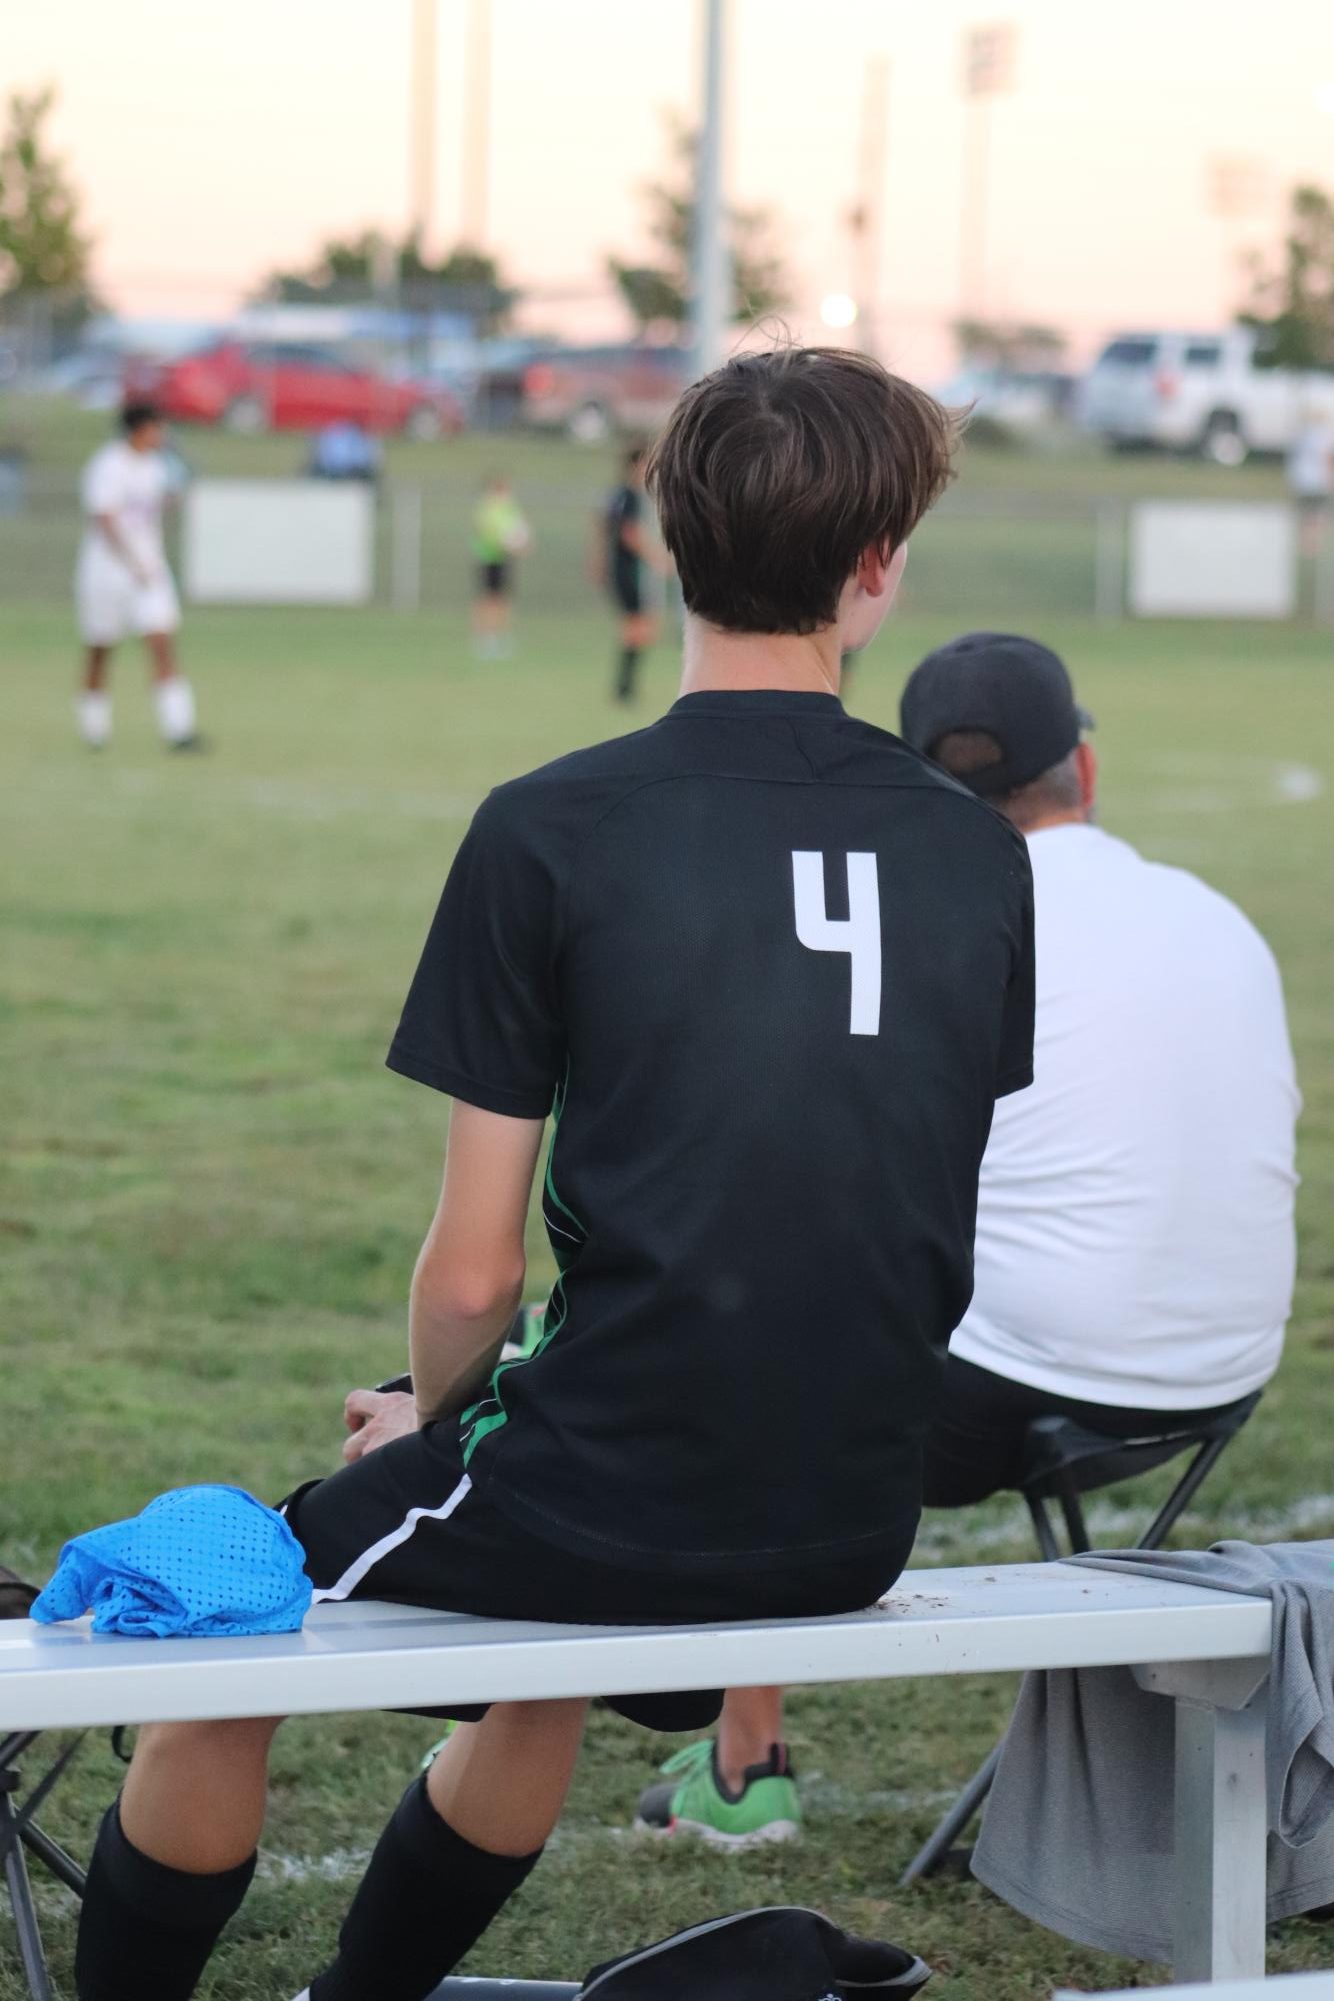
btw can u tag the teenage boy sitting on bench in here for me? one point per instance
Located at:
(770, 969)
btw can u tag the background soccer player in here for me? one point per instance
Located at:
(123, 585)
(500, 536)
(629, 550)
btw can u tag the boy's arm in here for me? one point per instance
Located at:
(469, 1277)
(108, 527)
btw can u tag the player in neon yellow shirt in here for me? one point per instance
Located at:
(500, 535)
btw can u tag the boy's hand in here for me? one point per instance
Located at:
(373, 1418)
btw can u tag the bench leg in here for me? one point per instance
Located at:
(1220, 1842)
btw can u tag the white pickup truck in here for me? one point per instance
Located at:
(1199, 392)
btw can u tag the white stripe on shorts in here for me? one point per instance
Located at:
(358, 1568)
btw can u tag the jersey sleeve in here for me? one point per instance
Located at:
(1014, 1070)
(103, 488)
(481, 1021)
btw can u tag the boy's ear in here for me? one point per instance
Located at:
(874, 568)
(1087, 766)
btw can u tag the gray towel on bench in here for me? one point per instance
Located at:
(1078, 1830)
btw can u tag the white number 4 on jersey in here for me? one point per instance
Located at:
(857, 934)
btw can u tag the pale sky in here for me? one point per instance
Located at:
(215, 141)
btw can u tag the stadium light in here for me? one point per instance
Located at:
(477, 127)
(988, 71)
(838, 309)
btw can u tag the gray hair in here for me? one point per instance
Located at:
(963, 753)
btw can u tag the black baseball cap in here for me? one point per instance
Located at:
(1016, 690)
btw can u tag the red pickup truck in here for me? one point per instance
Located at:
(591, 393)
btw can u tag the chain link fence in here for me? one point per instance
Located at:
(997, 559)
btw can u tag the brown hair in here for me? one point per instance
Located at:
(776, 473)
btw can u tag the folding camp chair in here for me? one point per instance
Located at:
(1062, 1461)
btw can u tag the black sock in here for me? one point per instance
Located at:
(425, 1898)
(145, 1929)
(626, 672)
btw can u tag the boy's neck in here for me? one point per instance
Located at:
(808, 662)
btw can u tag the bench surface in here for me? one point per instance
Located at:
(371, 1655)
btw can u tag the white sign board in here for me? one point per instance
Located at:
(278, 541)
(1213, 559)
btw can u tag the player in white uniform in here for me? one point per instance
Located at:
(123, 586)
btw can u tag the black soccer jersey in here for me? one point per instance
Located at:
(770, 969)
(624, 508)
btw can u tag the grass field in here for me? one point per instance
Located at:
(213, 1193)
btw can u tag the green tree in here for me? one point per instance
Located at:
(658, 293)
(349, 269)
(1292, 298)
(1003, 344)
(44, 253)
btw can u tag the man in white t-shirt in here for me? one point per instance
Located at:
(1135, 1250)
(1135, 1247)
(123, 585)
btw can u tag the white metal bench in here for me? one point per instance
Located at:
(1207, 1650)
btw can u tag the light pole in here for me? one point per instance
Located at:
(710, 264)
(868, 215)
(421, 124)
(988, 69)
(477, 126)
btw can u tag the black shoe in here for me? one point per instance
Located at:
(200, 744)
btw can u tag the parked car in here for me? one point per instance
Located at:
(593, 392)
(283, 386)
(1018, 399)
(485, 375)
(1199, 392)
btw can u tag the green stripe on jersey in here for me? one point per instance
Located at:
(488, 1414)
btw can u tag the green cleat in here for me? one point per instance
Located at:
(694, 1799)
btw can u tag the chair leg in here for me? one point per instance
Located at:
(1075, 1528)
(31, 1955)
(1043, 1530)
(1201, 1466)
(938, 1844)
(62, 1865)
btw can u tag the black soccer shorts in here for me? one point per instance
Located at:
(977, 1444)
(406, 1524)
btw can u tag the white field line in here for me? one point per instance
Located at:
(340, 1865)
(334, 802)
(292, 799)
(826, 1798)
(1206, 783)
